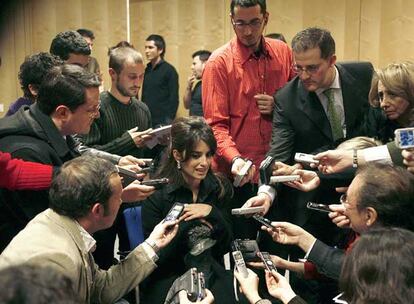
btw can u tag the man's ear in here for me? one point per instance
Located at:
(112, 73)
(332, 61)
(33, 89)
(371, 216)
(266, 18)
(97, 210)
(62, 112)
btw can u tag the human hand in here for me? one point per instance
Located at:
(136, 192)
(338, 216)
(163, 233)
(265, 103)
(190, 81)
(209, 299)
(140, 138)
(249, 285)
(408, 156)
(237, 166)
(195, 211)
(261, 199)
(131, 161)
(277, 261)
(287, 233)
(334, 161)
(280, 168)
(309, 180)
(279, 287)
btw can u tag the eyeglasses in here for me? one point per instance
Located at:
(94, 111)
(310, 69)
(254, 24)
(344, 201)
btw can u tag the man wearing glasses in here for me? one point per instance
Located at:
(325, 104)
(317, 110)
(368, 204)
(238, 81)
(67, 104)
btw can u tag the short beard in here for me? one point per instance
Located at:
(122, 90)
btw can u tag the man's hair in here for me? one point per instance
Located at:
(35, 284)
(203, 54)
(314, 37)
(390, 191)
(122, 43)
(86, 33)
(380, 266)
(65, 85)
(33, 70)
(69, 42)
(81, 183)
(248, 3)
(119, 55)
(159, 43)
(277, 36)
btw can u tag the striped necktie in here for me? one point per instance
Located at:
(333, 115)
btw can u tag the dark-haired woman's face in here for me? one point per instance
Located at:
(393, 106)
(195, 168)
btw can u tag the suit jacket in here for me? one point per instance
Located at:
(301, 125)
(55, 240)
(328, 260)
(299, 120)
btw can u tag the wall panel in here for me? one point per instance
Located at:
(380, 31)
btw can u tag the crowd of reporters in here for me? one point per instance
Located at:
(49, 239)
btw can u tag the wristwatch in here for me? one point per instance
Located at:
(355, 159)
(152, 244)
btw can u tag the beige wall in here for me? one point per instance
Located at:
(380, 31)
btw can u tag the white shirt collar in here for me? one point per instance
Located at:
(88, 240)
(334, 85)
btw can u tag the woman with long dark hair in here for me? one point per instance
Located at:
(205, 226)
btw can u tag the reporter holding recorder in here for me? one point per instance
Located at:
(205, 225)
(84, 198)
(369, 203)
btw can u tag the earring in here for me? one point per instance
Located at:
(178, 165)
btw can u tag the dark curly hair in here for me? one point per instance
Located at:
(33, 70)
(69, 42)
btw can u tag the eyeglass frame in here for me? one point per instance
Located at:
(95, 111)
(309, 69)
(253, 24)
(343, 199)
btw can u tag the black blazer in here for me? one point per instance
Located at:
(299, 120)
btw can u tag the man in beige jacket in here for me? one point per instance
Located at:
(84, 198)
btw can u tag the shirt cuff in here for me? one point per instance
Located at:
(269, 190)
(150, 252)
(377, 154)
(310, 249)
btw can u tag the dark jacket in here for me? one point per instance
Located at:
(29, 135)
(299, 120)
(171, 258)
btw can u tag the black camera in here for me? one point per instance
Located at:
(248, 248)
(192, 282)
(265, 170)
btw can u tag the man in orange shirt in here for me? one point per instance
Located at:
(238, 82)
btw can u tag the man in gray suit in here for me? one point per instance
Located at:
(85, 197)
